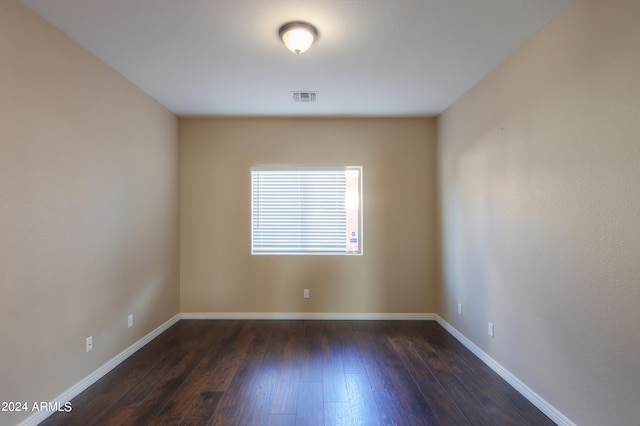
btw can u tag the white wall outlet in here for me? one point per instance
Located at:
(130, 321)
(89, 343)
(306, 293)
(490, 329)
(460, 309)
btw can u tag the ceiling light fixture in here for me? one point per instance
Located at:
(298, 36)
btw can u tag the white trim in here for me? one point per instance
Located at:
(307, 316)
(544, 406)
(516, 383)
(83, 384)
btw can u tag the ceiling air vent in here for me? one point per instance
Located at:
(305, 96)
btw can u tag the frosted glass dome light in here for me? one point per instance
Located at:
(298, 36)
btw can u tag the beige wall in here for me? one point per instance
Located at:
(396, 273)
(540, 200)
(88, 213)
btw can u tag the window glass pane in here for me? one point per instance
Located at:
(311, 210)
(352, 207)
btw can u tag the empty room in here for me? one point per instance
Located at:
(340, 212)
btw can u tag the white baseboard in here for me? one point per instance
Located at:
(548, 409)
(307, 316)
(83, 384)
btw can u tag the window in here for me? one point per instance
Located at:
(306, 210)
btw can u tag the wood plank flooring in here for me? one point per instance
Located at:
(308, 373)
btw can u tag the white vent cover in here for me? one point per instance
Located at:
(305, 96)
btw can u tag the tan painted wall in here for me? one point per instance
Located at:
(396, 273)
(539, 185)
(88, 213)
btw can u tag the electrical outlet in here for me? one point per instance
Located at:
(306, 293)
(89, 343)
(460, 309)
(130, 321)
(490, 329)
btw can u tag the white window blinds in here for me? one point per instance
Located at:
(301, 211)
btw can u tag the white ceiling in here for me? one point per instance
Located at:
(372, 57)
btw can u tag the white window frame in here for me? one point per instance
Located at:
(311, 230)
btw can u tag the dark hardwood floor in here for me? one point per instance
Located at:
(302, 373)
